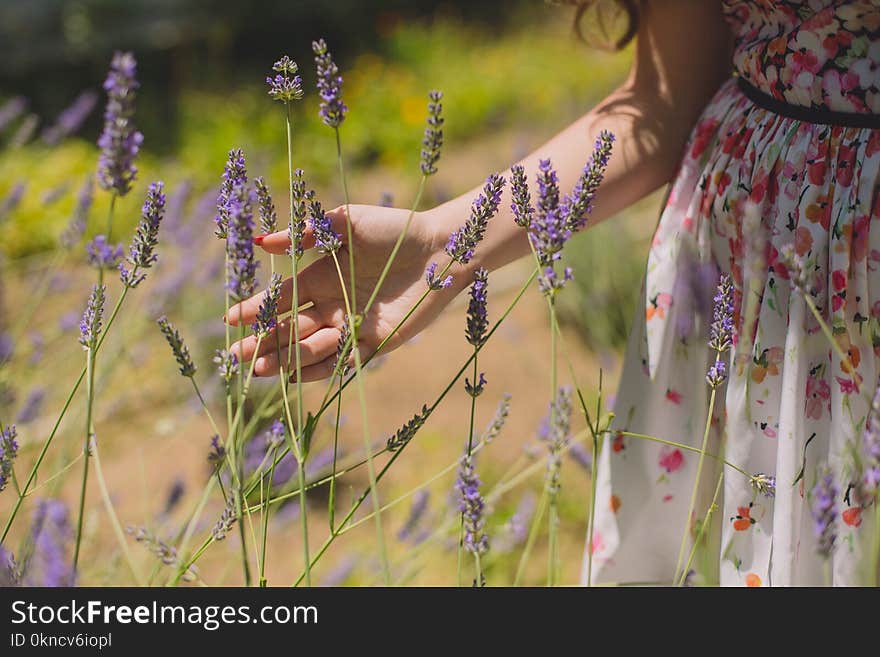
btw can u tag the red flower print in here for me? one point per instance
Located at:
(614, 503)
(803, 240)
(818, 165)
(818, 397)
(743, 519)
(774, 263)
(667, 498)
(846, 162)
(838, 280)
(752, 580)
(722, 180)
(673, 395)
(703, 136)
(660, 303)
(671, 459)
(820, 211)
(767, 363)
(852, 516)
(617, 445)
(873, 143)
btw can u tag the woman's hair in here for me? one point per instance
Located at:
(616, 21)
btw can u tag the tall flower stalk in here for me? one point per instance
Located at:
(286, 87)
(720, 340)
(332, 112)
(475, 333)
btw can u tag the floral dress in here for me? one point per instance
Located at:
(751, 182)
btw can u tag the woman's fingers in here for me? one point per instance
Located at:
(317, 347)
(310, 320)
(278, 243)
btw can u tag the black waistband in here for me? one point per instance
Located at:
(807, 114)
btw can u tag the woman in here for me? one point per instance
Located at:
(786, 152)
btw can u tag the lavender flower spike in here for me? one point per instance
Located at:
(8, 452)
(408, 430)
(234, 173)
(327, 240)
(268, 218)
(824, 510)
(102, 255)
(178, 347)
(51, 533)
(329, 86)
(90, 325)
(477, 317)
(548, 231)
(717, 374)
(721, 329)
(433, 140)
(497, 423)
(267, 315)
(764, 484)
(225, 523)
(286, 86)
(463, 242)
(142, 253)
(579, 203)
(70, 120)
(435, 282)
(119, 142)
(416, 514)
(558, 436)
(522, 199)
(296, 228)
(472, 507)
(242, 268)
(12, 200)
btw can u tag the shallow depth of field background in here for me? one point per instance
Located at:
(512, 74)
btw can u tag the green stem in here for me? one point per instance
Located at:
(90, 395)
(470, 446)
(671, 443)
(712, 507)
(696, 486)
(371, 470)
(331, 502)
(265, 523)
(533, 534)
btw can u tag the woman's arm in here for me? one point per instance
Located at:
(683, 55)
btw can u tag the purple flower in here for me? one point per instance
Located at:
(463, 242)
(550, 283)
(267, 315)
(581, 455)
(174, 210)
(53, 195)
(76, 227)
(242, 268)
(329, 86)
(327, 240)
(10, 575)
(178, 347)
(433, 141)
(12, 199)
(50, 535)
(37, 344)
(90, 324)
(523, 212)
(472, 507)
(71, 118)
(119, 142)
(275, 435)
(26, 130)
(175, 495)
(764, 484)
(227, 364)
(7, 348)
(408, 430)
(557, 436)
(11, 110)
(225, 522)
(717, 374)
(234, 174)
(497, 423)
(386, 200)
(516, 529)
(579, 203)
(217, 453)
(721, 329)
(417, 511)
(286, 86)
(475, 390)
(477, 317)
(102, 255)
(33, 403)
(435, 283)
(8, 452)
(340, 573)
(824, 510)
(296, 227)
(67, 322)
(548, 231)
(268, 218)
(141, 253)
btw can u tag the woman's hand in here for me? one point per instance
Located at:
(374, 231)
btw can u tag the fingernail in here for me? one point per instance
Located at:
(258, 240)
